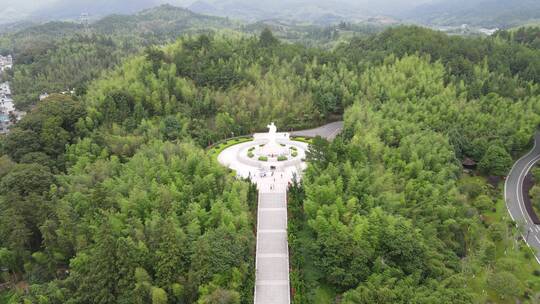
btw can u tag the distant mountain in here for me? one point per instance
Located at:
(157, 25)
(304, 10)
(12, 11)
(165, 20)
(313, 11)
(66, 9)
(10, 14)
(485, 13)
(54, 10)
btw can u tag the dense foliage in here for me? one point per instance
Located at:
(527, 35)
(215, 87)
(61, 56)
(64, 56)
(382, 215)
(483, 64)
(109, 197)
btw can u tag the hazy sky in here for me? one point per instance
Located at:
(29, 5)
(12, 10)
(25, 4)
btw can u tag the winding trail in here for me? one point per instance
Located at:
(515, 198)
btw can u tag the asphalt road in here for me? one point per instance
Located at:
(514, 197)
(328, 131)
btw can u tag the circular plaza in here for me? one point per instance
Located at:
(267, 156)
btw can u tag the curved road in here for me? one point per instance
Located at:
(328, 131)
(513, 195)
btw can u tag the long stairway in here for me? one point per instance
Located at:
(272, 260)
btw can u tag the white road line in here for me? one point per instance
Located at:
(521, 179)
(514, 165)
(518, 190)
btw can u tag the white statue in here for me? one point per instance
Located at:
(272, 148)
(272, 129)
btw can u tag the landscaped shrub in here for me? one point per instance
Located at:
(250, 154)
(263, 158)
(282, 158)
(303, 139)
(293, 148)
(294, 154)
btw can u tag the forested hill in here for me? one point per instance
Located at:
(461, 55)
(163, 22)
(60, 56)
(155, 21)
(486, 13)
(108, 196)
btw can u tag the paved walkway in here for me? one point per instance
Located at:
(272, 284)
(272, 260)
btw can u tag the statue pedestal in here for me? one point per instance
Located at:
(272, 144)
(279, 137)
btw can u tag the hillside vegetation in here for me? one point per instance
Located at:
(61, 56)
(486, 13)
(109, 197)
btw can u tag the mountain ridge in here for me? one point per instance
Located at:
(487, 13)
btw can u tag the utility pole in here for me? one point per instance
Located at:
(84, 21)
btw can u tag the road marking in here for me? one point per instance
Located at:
(521, 179)
(536, 137)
